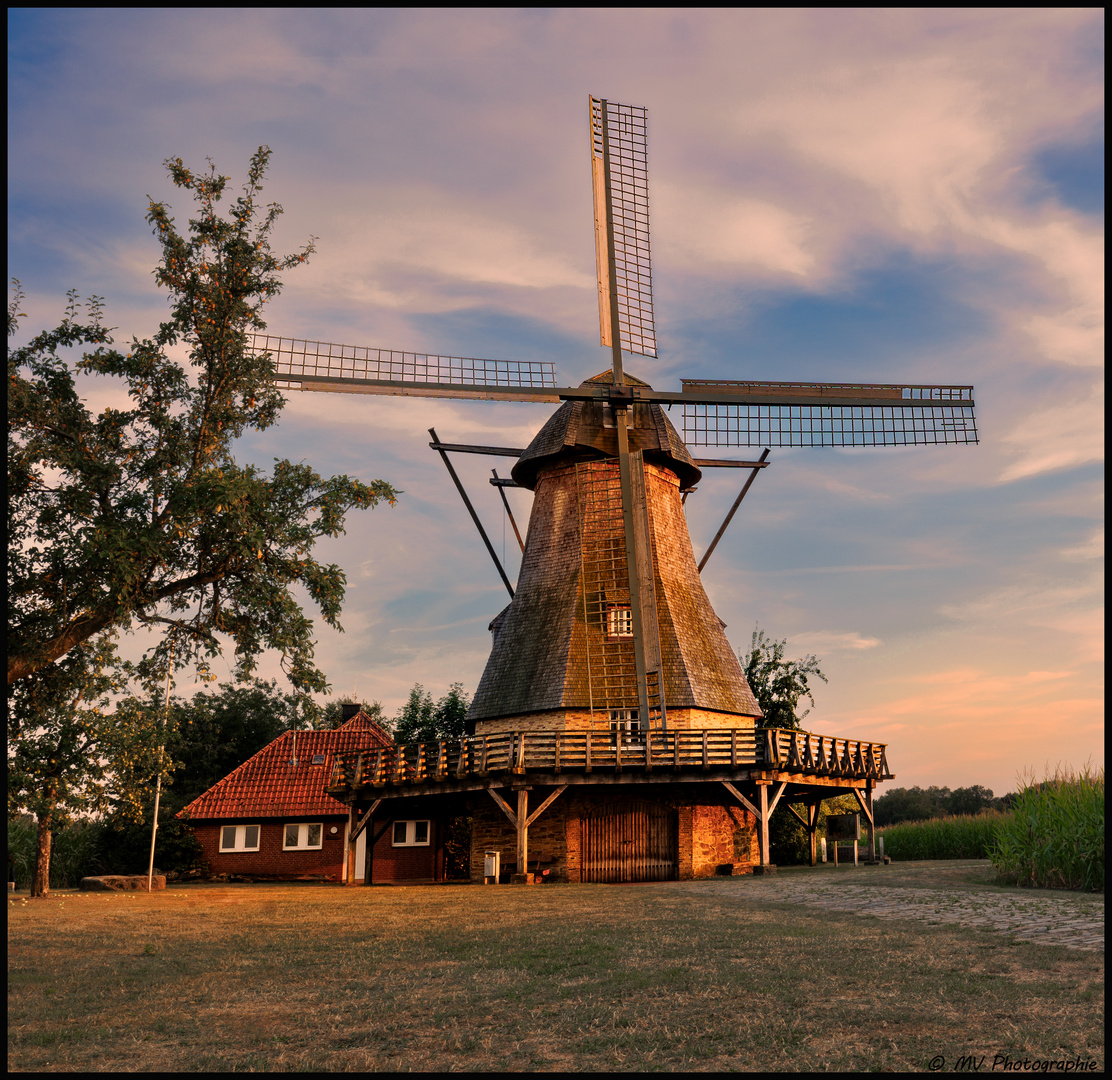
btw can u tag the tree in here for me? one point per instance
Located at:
(69, 753)
(206, 737)
(777, 683)
(140, 514)
(422, 721)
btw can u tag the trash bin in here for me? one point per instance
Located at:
(492, 867)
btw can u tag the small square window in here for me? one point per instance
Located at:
(239, 838)
(411, 833)
(318, 759)
(619, 622)
(302, 836)
(625, 725)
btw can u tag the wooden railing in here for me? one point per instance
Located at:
(587, 751)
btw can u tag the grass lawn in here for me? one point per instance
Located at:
(585, 977)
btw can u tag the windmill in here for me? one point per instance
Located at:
(720, 413)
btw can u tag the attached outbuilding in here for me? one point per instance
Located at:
(272, 819)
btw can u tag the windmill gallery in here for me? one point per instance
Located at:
(613, 735)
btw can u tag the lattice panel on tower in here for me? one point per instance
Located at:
(611, 665)
(627, 178)
(611, 668)
(828, 425)
(295, 359)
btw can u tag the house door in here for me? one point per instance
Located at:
(629, 841)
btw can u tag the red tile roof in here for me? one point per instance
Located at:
(268, 785)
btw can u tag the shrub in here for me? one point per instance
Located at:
(1054, 836)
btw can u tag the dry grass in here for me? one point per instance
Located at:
(568, 978)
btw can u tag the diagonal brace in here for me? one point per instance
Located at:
(757, 466)
(437, 445)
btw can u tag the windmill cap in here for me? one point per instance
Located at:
(585, 431)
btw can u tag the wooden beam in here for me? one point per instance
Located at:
(866, 802)
(776, 797)
(741, 799)
(762, 792)
(504, 805)
(756, 466)
(438, 445)
(545, 805)
(802, 820)
(365, 821)
(522, 830)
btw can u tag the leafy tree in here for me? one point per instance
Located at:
(69, 753)
(206, 737)
(911, 804)
(921, 804)
(420, 720)
(778, 683)
(140, 514)
(970, 800)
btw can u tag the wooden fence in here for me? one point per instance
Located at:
(587, 751)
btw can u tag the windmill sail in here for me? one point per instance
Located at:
(619, 159)
(357, 369)
(826, 414)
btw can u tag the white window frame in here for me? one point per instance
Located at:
(411, 833)
(240, 840)
(619, 621)
(303, 828)
(627, 724)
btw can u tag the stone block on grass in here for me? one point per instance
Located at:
(121, 883)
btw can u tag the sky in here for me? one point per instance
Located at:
(876, 195)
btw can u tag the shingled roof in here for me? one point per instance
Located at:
(281, 780)
(585, 431)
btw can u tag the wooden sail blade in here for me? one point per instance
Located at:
(736, 413)
(619, 158)
(353, 369)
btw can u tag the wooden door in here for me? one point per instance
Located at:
(629, 841)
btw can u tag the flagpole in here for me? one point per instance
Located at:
(158, 778)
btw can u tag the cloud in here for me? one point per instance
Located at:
(1056, 437)
(702, 225)
(819, 642)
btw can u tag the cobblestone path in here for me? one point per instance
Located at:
(1072, 920)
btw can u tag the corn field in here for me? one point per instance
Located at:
(959, 837)
(74, 853)
(1054, 835)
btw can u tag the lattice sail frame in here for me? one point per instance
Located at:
(932, 415)
(626, 145)
(297, 359)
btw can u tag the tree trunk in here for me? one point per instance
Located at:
(40, 878)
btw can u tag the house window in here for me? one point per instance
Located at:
(411, 833)
(625, 725)
(303, 836)
(239, 838)
(619, 622)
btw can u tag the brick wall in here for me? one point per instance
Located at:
(270, 861)
(391, 864)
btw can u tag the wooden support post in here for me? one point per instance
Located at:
(869, 818)
(522, 875)
(762, 793)
(866, 803)
(349, 847)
